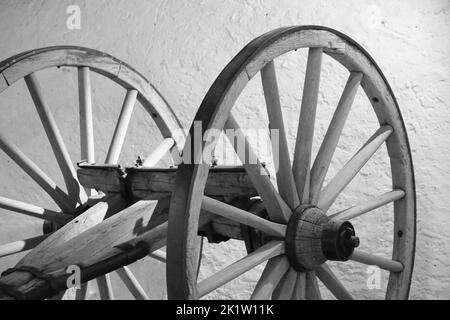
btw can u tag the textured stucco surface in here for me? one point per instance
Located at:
(181, 46)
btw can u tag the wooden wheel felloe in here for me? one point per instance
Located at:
(298, 207)
(77, 200)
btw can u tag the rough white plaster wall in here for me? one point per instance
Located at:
(181, 46)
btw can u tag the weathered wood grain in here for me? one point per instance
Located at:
(305, 131)
(145, 183)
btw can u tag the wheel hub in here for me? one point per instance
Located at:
(313, 238)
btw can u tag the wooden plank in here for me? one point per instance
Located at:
(93, 243)
(102, 241)
(106, 178)
(56, 141)
(352, 167)
(82, 245)
(153, 236)
(280, 151)
(267, 251)
(328, 278)
(244, 217)
(159, 152)
(132, 283)
(64, 241)
(369, 205)
(277, 208)
(34, 211)
(159, 183)
(331, 139)
(153, 184)
(271, 276)
(66, 203)
(305, 131)
(121, 128)
(370, 259)
(104, 208)
(83, 249)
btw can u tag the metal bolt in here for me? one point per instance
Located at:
(352, 242)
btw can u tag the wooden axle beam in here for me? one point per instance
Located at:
(144, 219)
(104, 247)
(99, 248)
(141, 183)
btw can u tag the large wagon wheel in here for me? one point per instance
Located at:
(301, 237)
(76, 200)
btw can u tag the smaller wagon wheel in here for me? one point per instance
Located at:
(301, 236)
(77, 200)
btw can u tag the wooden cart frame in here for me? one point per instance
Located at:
(287, 225)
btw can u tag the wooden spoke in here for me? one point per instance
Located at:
(22, 245)
(34, 211)
(278, 210)
(312, 287)
(370, 259)
(56, 140)
(81, 294)
(285, 289)
(352, 167)
(305, 132)
(285, 179)
(267, 251)
(86, 118)
(105, 289)
(271, 276)
(159, 152)
(132, 284)
(59, 196)
(244, 217)
(328, 278)
(326, 151)
(369, 205)
(299, 292)
(121, 128)
(159, 255)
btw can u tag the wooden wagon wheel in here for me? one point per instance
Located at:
(76, 200)
(301, 236)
